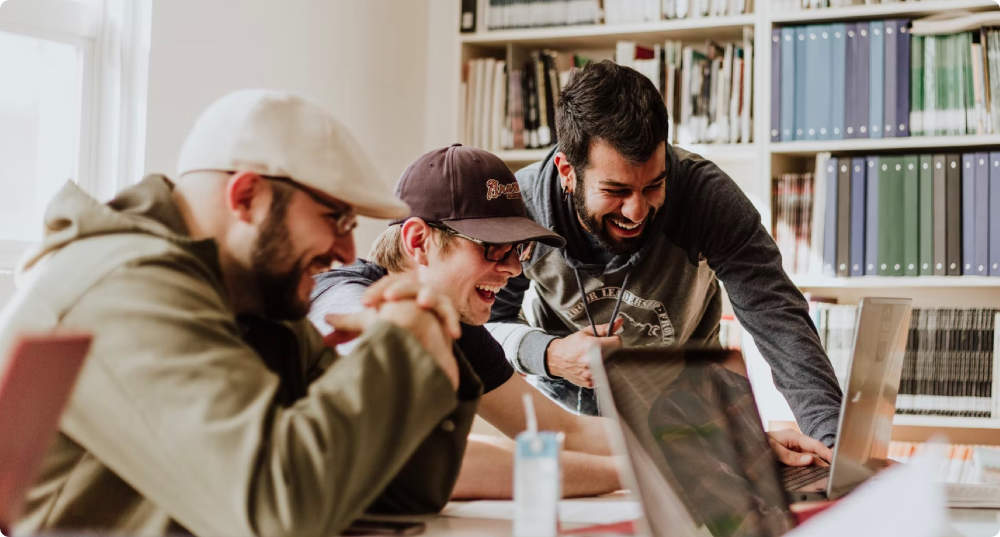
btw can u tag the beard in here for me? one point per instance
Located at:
(599, 227)
(277, 289)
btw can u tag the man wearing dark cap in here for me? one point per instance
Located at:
(651, 230)
(467, 233)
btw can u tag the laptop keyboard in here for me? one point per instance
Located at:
(794, 477)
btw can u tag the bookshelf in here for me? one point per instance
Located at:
(753, 164)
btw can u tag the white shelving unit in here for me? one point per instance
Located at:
(752, 165)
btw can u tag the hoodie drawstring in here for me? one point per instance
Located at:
(586, 309)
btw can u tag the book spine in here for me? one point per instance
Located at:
(926, 216)
(801, 81)
(888, 119)
(775, 85)
(968, 213)
(994, 219)
(980, 260)
(830, 218)
(851, 66)
(939, 163)
(953, 214)
(857, 241)
(871, 219)
(838, 43)
(864, 56)
(903, 50)
(788, 88)
(917, 85)
(843, 217)
(879, 81)
(911, 209)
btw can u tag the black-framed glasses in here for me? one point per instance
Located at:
(344, 218)
(496, 252)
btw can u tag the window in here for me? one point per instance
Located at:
(72, 105)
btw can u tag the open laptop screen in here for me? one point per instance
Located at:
(693, 416)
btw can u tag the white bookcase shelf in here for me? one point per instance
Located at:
(911, 143)
(753, 165)
(946, 422)
(894, 282)
(592, 35)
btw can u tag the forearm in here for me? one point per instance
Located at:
(488, 471)
(590, 436)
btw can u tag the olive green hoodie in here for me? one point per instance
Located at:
(176, 423)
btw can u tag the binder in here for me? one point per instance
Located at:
(994, 232)
(911, 208)
(850, 77)
(888, 119)
(890, 217)
(903, 49)
(857, 241)
(939, 163)
(788, 84)
(863, 57)
(776, 103)
(980, 258)
(830, 218)
(926, 216)
(968, 212)
(838, 66)
(877, 78)
(820, 76)
(843, 216)
(801, 95)
(871, 218)
(953, 214)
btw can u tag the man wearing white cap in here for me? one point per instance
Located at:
(208, 404)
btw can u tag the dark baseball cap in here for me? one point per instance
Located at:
(472, 192)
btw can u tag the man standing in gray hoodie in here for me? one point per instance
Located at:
(651, 231)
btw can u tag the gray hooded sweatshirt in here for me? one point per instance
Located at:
(707, 232)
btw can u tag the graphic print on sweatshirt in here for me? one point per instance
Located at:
(646, 322)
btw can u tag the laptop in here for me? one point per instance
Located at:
(697, 456)
(864, 429)
(36, 379)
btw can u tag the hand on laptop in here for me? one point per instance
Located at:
(796, 449)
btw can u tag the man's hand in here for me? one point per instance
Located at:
(399, 287)
(430, 317)
(796, 449)
(567, 356)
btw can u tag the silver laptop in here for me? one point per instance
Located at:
(868, 407)
(696, 451)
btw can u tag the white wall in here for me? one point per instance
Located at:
(365, 60)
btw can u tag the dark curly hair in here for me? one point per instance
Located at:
(616, 104)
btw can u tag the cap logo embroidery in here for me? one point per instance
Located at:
(494, 189)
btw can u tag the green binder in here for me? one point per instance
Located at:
(925, 216)
(890, 216)
(911, 208)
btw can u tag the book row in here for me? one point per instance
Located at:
(784, 5)
(874, 79)
(891, 215)
(707, 91)
(506, 14)
(949, 366)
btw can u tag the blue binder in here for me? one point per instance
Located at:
(776, 85)
(838, 44)
(788, 84)
(968, 212)
(801, 93)
(980, 258)
(877, 82)
(994, 232)
(903, 78)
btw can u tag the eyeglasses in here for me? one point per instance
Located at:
(493, 251)
(343, 218)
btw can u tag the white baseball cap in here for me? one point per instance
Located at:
(281, 134)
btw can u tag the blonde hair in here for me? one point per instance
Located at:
(388, 251)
